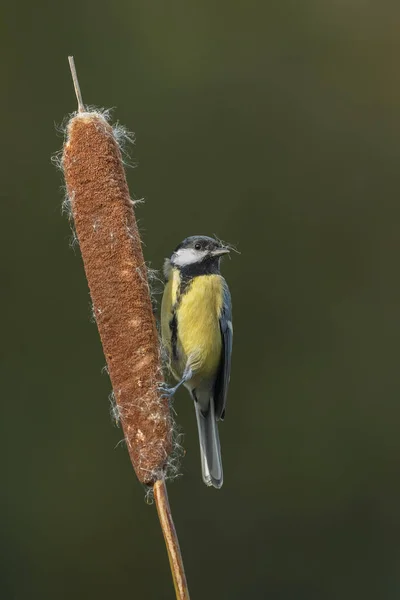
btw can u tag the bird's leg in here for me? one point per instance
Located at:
(168, 392)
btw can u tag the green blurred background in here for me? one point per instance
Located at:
(274, 125)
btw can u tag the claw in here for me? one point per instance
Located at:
(166, 391)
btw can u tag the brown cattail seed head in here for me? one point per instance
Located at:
(116, 272)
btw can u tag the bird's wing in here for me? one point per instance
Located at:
(222, 381)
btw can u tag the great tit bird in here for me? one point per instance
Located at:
(196, 324)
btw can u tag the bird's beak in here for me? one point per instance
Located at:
(220, 251)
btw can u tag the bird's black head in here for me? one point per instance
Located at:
(198, 255)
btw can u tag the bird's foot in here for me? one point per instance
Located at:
(166, 391)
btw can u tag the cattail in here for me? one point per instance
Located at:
(117, 276)
(112, 255)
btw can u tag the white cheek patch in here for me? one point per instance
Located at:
(187, 256)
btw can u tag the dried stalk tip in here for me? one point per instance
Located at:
(81, 107)
(116, 272)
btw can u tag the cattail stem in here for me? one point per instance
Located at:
(117, 276)
(171, 540)
(81, 107)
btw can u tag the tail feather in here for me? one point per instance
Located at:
(210, 449)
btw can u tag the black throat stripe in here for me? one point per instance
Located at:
(210, 266)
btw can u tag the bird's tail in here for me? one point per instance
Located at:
(210, 449)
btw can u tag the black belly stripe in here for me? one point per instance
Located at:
(185, 282)
(173, 325)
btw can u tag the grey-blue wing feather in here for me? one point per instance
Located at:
(222, 381)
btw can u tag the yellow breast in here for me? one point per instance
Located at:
(198, 333)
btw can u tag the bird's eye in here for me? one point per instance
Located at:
(197, 246)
